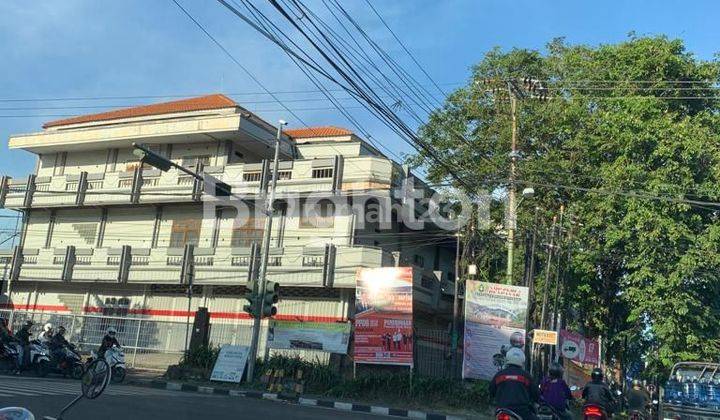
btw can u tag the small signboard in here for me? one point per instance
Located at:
(230, 364)
(545, 337)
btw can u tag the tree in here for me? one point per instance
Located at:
(630, 143)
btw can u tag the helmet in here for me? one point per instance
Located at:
(111, 331)
(515, 357)
(636, 384)
(556, 371)
(61, 330)
(517, 339)
(47, 327)
(28, 324)
(597, 375)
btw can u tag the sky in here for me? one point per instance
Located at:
(101, 48)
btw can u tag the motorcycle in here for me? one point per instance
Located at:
(115, 357)
(506, 414)
(9, 357)
(636, 415)
(594, 412)
(68, 363)
(546, 412)
(39, 358)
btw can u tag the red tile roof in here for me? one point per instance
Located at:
(310, 132)
(200, 103)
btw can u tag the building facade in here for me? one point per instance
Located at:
(104, 234)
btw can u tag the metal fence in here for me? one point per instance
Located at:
(154, 344)
(149, 344)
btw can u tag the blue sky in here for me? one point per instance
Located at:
(91, 48)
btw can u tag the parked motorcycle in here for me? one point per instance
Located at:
(115, 357)
(68, 363)
(506, 414)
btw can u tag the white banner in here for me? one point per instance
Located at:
(332, 337)
(230, 364)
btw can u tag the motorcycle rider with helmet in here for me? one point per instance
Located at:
(108, 341)
(555, 392)
(58, 343)
(597, 392)
(6, 339)
(637, 399)
(47, 333)
(513, 388)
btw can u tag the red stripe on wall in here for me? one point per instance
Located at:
(219, 315)
(34, 307)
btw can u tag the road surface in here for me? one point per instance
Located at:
(46, 397)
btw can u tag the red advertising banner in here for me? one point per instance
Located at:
(576, 347)
(383, 316)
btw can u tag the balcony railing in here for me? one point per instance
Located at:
(299, 176)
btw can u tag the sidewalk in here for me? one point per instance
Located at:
(147, 379)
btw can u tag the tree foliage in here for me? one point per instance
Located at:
(630, 143)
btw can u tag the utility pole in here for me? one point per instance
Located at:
(456, 300)
(558, 274)
(262, 275)
(512, 207)
(551, 249)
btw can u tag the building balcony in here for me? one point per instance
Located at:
(299, 177)
(297, 266)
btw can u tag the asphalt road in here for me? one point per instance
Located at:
(46, 397)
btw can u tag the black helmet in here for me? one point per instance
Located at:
(61, 330)
(597, 375)
(28, 324)
(556, 371)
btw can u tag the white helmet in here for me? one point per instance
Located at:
(111, 331)
(47, 327)
(515, 357)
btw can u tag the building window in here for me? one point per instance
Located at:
(322, 173)
(419, 260)
(319, 214)
(184, 232)
(284, 175)
(252, 176)
(251, 231)
(190, 162)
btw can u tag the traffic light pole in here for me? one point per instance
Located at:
(262, 275)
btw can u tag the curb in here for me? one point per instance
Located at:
(336, 405)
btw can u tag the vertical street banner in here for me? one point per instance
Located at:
(494, 323)
(331, 337)
(383, 316)
(581, 349)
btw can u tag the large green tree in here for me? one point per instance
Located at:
(629, 141)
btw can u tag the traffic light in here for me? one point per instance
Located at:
(271, 297)
(252, 297)
(151, 158)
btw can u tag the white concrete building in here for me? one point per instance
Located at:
(88, 196)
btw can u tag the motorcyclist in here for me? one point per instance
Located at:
(513, 388)
(58, 343)
(6, 339)
(555, 392)
(46, 335)
(108, 341)
(597, 392)
(23, 337)
(637, 399)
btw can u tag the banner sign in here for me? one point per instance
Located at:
(576, 347)
(545, 337)
(578, 376)
(230, 364)
(494, 323)
(383, 316)
(331, 337)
